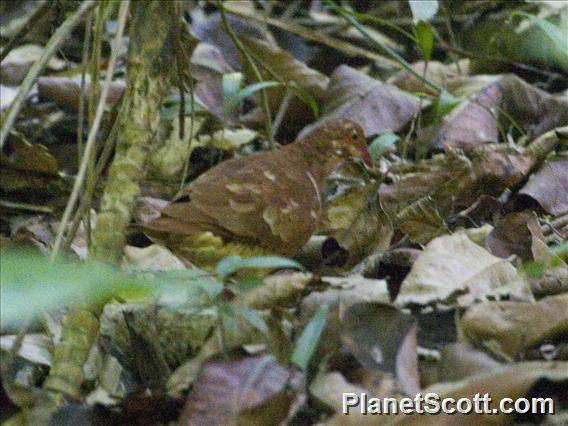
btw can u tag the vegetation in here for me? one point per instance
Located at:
(440, 268)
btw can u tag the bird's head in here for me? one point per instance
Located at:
(339, 140)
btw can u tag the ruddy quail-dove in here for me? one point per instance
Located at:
(271, 201)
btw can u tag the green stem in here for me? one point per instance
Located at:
(255, 70)
(353, 21)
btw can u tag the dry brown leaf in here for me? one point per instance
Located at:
(515, 233)
(436, 72)
(515, 381)
(353, 214)
(512, 327)
(229, 387)
(65, 91)
(383, 339)
(452, 266)
(549, 187)
(376, 106)
(492, 101)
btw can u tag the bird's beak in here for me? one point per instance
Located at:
(362, 153)
(366, 157)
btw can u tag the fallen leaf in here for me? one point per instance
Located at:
(549, 187)
(458, 361)
(511, 381)
(491, 102)
(436, 72)
(65, 91)
(353, 214)
(228, 387)
(376, 106)
(513, 327)
(452, 266)
(383, 339)
(208, 68)
(515, 233)
(16, 65)
(210, 29)
(474, 121)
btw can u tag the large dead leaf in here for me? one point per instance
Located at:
(490, 102)
(66, 91)
(16, 65)
(549, 186)
(512, 327)
(516, 381)
(210, 29)
(422, 221)
(376, 106)
(515, 233)
(441, 179)
(208, 67)
(353, 214)
(227, 389)
(422, 195)
(436, 72)
(344, 292)
(453, 266)
(383, 339)
(474, 121)
(458, 361)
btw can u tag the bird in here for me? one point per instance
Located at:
(267, 203)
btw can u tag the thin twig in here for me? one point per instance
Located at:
(255, 70)
(26, 206)
(95, 71)
(51, 47)
(191, 134)
(87, 198)
(84, 59)
(282, 111)
(122, 15)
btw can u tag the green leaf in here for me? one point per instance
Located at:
(227, 314)
(254, 318)
(308, 340)
(231, 264)
(249, 283)
(443, 104)
(424, 37)
(423, 10)
(381, 143)
(253, 88)
(558, 37)
(171, 106)
(235, 99)
(232, 83)
(31, 285)
(195, 281)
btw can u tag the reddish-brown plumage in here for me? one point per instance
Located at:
(271, 199)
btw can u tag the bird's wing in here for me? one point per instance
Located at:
(271, 199)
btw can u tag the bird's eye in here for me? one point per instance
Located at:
(354, 134)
